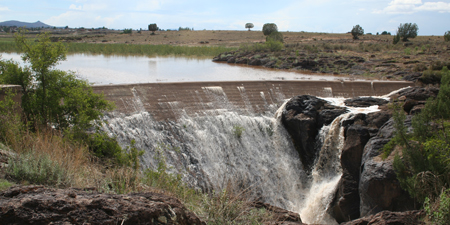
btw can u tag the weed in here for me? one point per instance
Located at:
(37, 169)
(237, 131)
(4, 184)
(438, 211)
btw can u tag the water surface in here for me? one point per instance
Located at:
(101, 69)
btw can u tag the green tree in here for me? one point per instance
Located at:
(268, 28)
(153, 27)
(249, 26)
(447, 36)
(423, 167)
(357, 31)
(43, 55)
(52, 97)
(407, 30)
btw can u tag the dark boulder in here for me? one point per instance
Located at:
(419, 93)
(303, 117)
(365, 101)
(348, 202)
(40, 205)
(379, 187)
(391, 218)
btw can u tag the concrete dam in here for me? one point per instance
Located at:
(168, 101)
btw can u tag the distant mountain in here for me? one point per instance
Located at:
(22, 24)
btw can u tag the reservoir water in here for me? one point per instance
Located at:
(101, 69)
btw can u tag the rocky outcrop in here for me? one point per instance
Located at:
(365, 102)
(40, 205)
(379, 188)
(347, 206)
(359, 128)
(393, 218)
(303, 117)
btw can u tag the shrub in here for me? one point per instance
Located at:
(407, 30)
(385, 33)
(275, 36)
(127, 31)
(268, 28)
(396, 39)
(357, 31)
(37, 169)
(438, 211)
(423, 168)
(447, 36)
(439, 65)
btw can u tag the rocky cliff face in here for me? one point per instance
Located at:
(303, 117)
(369, 184)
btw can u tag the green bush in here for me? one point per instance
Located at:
(275, 36)
(423, 167)
(438, 211)
(357, 31)
(447, 36)
(407, 30)
(37, 169)
(396, 39)
(127, 31)
(431, 77)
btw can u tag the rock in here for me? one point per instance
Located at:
(379, 188)
(419, 93)
(303, 117)
(40, 205)
(348, 201)
(365, 101)
(306, 64)
(280, 215)
(393, 218)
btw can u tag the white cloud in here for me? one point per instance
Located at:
(413, 6)
(74, 7)
(4, 8)
(405, 2)
(441, 7)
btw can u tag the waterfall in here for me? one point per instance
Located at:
(250, 151)
(325, 175)
(253, 152)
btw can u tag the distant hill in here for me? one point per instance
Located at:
(22, 24)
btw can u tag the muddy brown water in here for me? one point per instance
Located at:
(101, 69)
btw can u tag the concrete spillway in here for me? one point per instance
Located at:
(171, 100)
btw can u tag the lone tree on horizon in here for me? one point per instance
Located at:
(153, 27)
(268, 28)
(357, 31)
(249, 26)
(407, 30)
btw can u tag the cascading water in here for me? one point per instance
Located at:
(326, 174)
(252, 152)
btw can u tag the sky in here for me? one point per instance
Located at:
(330, 16)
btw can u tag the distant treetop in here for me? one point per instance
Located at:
(268, 28)
(249, 26)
